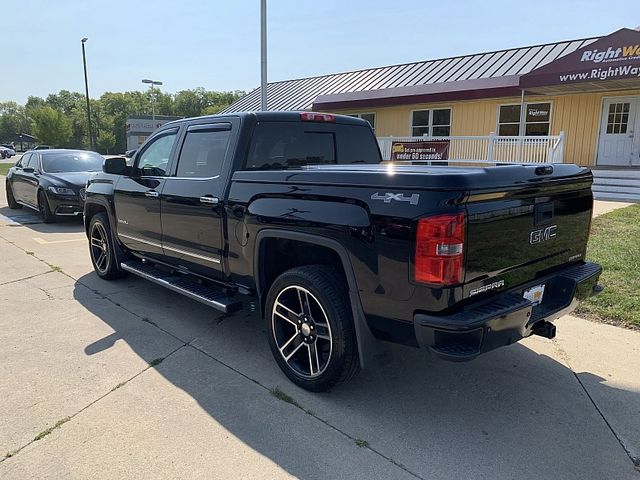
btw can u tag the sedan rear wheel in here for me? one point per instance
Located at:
(11, 200)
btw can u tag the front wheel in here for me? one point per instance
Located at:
(45, 211)
(101, 248)
(310, 325)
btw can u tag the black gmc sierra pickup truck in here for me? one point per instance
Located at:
(296, 212)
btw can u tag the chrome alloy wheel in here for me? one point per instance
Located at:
(99, 247)
(301, 331)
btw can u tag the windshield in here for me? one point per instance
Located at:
(72, 162)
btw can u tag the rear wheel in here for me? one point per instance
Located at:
(43, 207)
(311, 331)
(11, 200)
(101, 248)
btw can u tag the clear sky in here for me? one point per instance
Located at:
(215, 43)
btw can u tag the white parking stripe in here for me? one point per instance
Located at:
(7, 220)
(42, 241)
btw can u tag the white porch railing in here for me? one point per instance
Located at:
(491, 148)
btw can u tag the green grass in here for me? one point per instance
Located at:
(4, 168)
(155, 362)
(280, 395)
(46, 432)
(615, 244)
(361, 443)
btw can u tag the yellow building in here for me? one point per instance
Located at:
(576, 101)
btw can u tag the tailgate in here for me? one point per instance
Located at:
(518, 234)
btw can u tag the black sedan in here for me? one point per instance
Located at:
(52, 181)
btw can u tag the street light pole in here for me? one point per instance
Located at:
(153, 99)
(86, 90)
(263, 55)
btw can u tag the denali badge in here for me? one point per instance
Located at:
(487, 287)
(400, 197)
(542, 235)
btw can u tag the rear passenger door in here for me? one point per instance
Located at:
(192, 199)
(18, 180)
(30, 180)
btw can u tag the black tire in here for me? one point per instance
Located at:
(325, 294)
(101, 242)
(44, 209)
(11, 200)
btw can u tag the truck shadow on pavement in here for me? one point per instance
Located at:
(516, 412)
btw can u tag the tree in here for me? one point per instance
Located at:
(106, 142)
(34, 102)
(13, 120)
(61, 118)
(218, 101)
(66, 101)
(189, 103)
(51, 127)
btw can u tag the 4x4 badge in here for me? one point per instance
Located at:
(400, 197)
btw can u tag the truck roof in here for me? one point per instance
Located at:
(288, 116)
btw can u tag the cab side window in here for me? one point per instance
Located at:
(154, 159)
(203, 151)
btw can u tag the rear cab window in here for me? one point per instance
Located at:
(288, 145)
(204, 150)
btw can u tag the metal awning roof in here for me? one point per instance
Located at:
(300, 94)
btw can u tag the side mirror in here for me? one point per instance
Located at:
(115, 165)
(28, 170)
(130, 153)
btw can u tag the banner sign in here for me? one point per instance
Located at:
(420, 150)
(614, 57)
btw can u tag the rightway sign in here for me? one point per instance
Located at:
(614, 57)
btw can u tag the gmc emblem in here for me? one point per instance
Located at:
(542, 235)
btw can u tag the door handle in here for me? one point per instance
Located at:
(209, 200)
(151, 194)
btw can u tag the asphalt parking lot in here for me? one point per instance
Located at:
(128, 380)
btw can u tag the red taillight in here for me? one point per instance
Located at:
(440, 250)
(317, 117)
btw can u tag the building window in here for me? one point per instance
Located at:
(618, 119)
(537, 120)
(369, 117)
(431, 123)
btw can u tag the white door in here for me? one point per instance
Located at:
(619, 141)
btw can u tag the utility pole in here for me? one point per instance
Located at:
(86, 90)
(263, 55)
